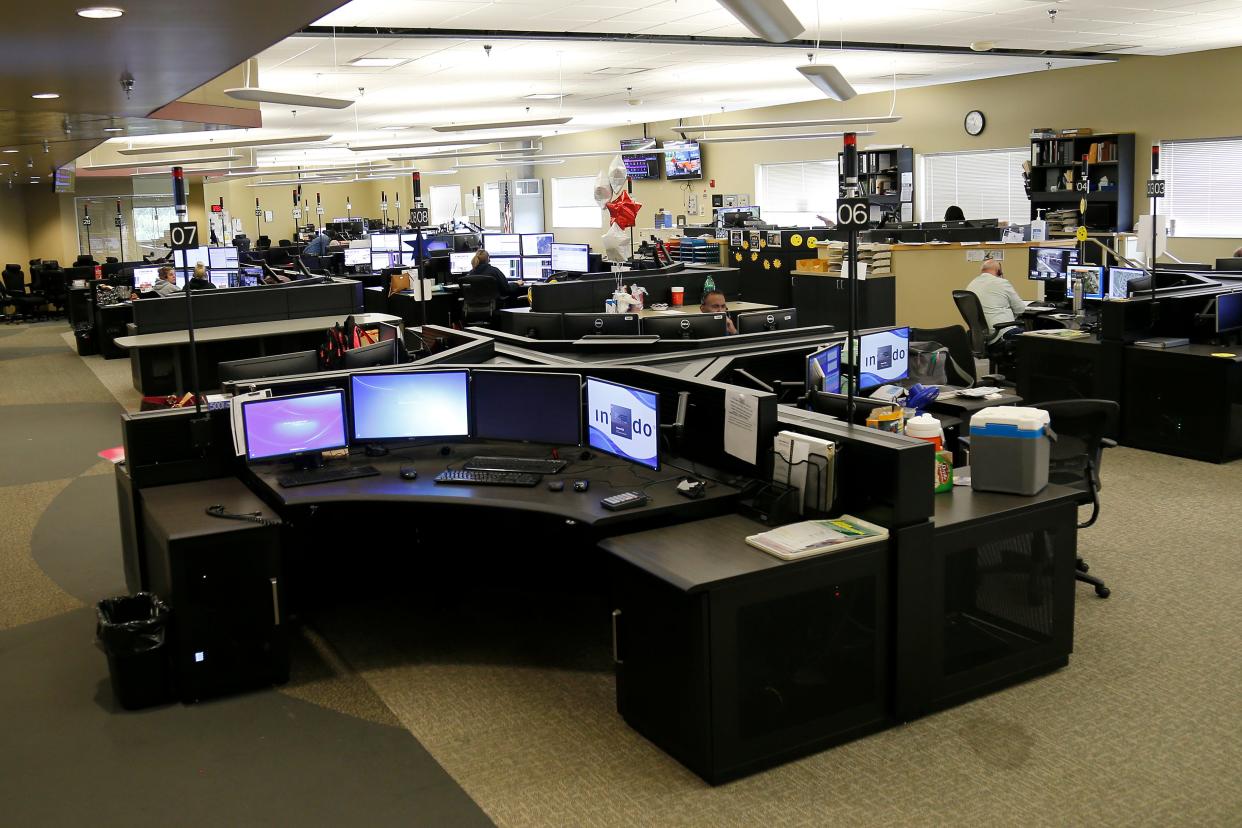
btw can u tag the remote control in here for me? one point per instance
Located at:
(625, 500)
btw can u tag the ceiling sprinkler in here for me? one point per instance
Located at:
(1052, 15)
(487, 49)
(127, 84)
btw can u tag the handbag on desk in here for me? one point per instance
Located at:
(398, 282)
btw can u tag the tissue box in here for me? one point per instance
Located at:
(1009, 448)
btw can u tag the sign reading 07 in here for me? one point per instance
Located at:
(853, 213)
(183, 235)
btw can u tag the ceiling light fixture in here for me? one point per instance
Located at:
(769, 19)
(544, 96)
(879, 119)
(286, 170)
(100, 12)
(251, 142)
(394, 127)
(114, 129)
(249, 93)
(45, 96)
(504, 124)
(510, 163)
(982, 46)
(289, 182)
(829, 80)
(734, 139)
(443, 143)
(471, 153)
(9, 150)
(165, 162)
(377, 62)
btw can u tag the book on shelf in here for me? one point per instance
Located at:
(816, 537)
(1071, 132)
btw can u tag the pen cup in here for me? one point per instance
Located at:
(677, 294)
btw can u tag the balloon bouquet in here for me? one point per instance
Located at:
(611, 194)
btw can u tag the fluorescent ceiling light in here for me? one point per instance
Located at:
(288, 98)
(879, 119)
(10, 150)
(829, 80)
(286, 170)
(769, 19)
(509, 163)
(544, 96)
(292, 182)
(803, 136)
(446, 143)
(395, 127)
(471, 153)
(450, 171)
(504, 124)
(166, 162)
(114, 129)
(100, 12)
(195, 171)
(45, 96)
(376, 178)
(377, 62)
(252, 142)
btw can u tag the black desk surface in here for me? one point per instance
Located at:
(180, 511)
(608, 476)
(964, 506)
(960, 406)
(1192, 350)
(704, 553)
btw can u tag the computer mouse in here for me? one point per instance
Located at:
(556, 485)
(581, 485)
(409, 473)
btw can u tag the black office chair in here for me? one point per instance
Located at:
(285, 243)
(54, 285)
(26, 304)
(480, 299)
(262, 243)
(961, 371)
(999, 353)
(1081, 427)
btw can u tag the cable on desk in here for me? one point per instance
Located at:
(218, 511)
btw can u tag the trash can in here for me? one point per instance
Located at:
(132, 631)
(85, 337)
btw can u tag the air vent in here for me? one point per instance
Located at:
(528, 186)
(618, 70)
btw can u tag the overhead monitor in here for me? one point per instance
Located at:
(386, 241)
(1092, 278)
(1119, 279)
(823, 369)
(883, 357)
(682, 160)
(144, 277)
(355, 256)
(65, 177)
(460, 263)
(536, 269)
(410, 405)
(527, 406)
(511, 267)
(640, 166)
(623, 421)
(536, 244)
(570, 257)
(502, 244)
(222, 258)
(1228, 312)
(280, 427)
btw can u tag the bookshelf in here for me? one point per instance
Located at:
(1062, 164)
(880, 174)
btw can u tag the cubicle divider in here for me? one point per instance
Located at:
(640, 350)
(265, 303)
(587, 295)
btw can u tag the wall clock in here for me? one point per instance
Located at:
(974, 122)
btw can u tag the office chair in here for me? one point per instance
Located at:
(54, 285)
(262, 243)
(84, 260)
(285, 243)
(480, 298)
(996, 353)
(26, 304)
(957, 340)
(1075, 456)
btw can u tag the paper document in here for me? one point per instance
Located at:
(815, 537)
(235, 416)
(741, 425)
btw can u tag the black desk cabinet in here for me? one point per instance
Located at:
(731, 660)
(222, 580)
(823, 300)
(1184, 401)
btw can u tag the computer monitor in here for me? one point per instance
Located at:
(570, 257)
(536, 269)
(192, 257)
(512, 268)
(686, 325)
(1229, 264)
(773, 320)
(390, 242)
(1046, 263)
(221, 279)
(409, 258)
(460, 263)
(536, 244)
(381, 261)
(1092, 277)
(883, 357)
(300, 424)
(275, 365)
(502, 244)
(249, 276)
(1228, 312)
(222, 258)
(1119, 279)
(355, 256)
(823, 369)
(578, 325)
(145, 277)
(682, 160)
(408, 405)
(623, 421)
(527, 406)
(379, 353)
(539, 325)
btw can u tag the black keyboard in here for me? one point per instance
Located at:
(326, 475)
(531, 465)
(475, 477)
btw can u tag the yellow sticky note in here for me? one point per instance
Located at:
(1225, 356)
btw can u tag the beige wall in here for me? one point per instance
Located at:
(14, 242)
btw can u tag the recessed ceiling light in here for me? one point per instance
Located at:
(982, 46)
(45, 96)
(378, 62)
(10, 150)
(100, 12)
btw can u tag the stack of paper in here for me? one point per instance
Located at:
(815, 537)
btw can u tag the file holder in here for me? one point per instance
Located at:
(820, 481)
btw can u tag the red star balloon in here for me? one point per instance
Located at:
(624, 210)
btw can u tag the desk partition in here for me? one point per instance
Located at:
(587, 295)
(236, 306)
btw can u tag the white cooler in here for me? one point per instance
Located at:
(1009, 448)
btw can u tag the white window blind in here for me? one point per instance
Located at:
(793, 194)
(573, 203)
(985, 184)
(493, 218)
(445, 203)
(1203, 190)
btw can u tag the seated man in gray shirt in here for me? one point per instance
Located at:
(999, 300)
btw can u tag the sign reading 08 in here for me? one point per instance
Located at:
(853, 213)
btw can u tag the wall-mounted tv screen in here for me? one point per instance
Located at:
(641, 167)
(682, 160)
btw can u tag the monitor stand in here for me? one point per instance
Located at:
(308, 462)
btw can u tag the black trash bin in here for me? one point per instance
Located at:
(85, 337)
(132, 630)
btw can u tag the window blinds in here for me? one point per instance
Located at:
(984, 184)
(792, 194)
(1203, 186)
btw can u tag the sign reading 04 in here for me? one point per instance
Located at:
(974, 122)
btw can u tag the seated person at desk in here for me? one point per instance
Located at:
(166, 282)
(199, 280)
(481, 266)
(318, 246)
(714, 302)
(954, 213)
(1000, 302)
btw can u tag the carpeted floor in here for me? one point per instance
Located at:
(511, 694)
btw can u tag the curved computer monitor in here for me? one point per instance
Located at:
(686, 325)
(409, 405)
(276, 365)
(578, 325)
(773, 320)
(371, 356)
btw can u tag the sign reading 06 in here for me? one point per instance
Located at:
(853, 213)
